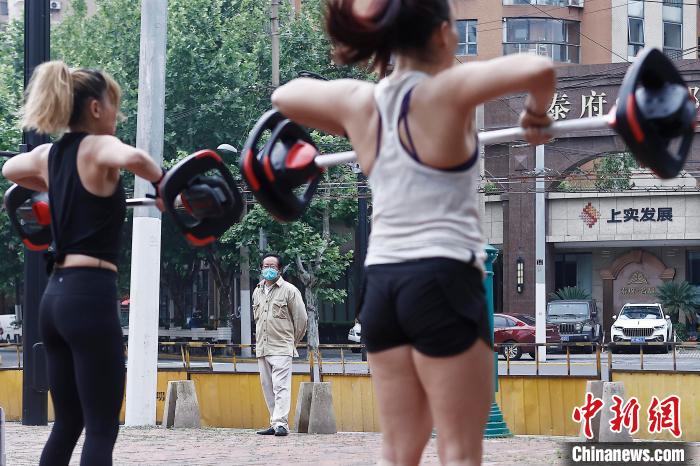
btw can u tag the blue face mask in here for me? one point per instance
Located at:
(269, 273)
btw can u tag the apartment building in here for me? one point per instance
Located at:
(14, 9)
(577, 31)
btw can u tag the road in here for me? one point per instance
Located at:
(580, 364)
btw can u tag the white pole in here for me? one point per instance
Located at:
(3, 456)
(142, 365)
(540, 259)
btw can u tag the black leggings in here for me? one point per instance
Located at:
(80, 329)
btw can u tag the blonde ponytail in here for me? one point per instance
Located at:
(48, 99)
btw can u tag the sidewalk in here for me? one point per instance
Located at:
(189, 447)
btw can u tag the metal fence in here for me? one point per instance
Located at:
(599, 362)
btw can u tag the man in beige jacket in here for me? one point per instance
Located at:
(280, 324)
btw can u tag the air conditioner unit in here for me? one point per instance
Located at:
(576, 3)
(54, 5)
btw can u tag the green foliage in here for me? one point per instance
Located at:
(681, 332)
(11, 85)
(613, 172)
(678, 299)
(491, 188)
(218, 82)
(569, 292)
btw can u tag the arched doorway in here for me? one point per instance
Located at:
(632, 278)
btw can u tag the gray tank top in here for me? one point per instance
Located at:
(418, 212)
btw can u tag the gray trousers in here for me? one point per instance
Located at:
(276, 381)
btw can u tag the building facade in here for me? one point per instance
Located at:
(576, 31)
(612, 228)
(14, 9)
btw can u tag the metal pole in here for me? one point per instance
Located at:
(34, 402)
(142, 367)
(540, 259)
(246, 327)
(491, 255)
(275, 33)
(557, 129)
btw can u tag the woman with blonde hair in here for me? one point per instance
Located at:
(78, 321)
(424, 317)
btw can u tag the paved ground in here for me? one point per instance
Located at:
(157, 446)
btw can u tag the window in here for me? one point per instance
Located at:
(499, 322)
(693, 268)
(635, 27)
(544, 2)
(3, 8)
(555, 38)
(635, 37)
(466, 33)
(574, 269)
(673, 28)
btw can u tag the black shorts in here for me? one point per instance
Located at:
(436, 305)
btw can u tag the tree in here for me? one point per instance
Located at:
(613, 172)
(678, 299)
(217, 84)
(11, 86)
(569, 292)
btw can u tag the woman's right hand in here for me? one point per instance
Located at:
(534, 126)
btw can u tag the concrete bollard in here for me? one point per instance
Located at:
(181, 406)
(303, 408)
(606, 435)
(321, 414)
(3, 456)
(596, 388)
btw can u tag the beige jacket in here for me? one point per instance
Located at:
(280, 319)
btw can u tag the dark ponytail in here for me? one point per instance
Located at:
(399, 25)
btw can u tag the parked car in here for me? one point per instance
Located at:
(577, 321)
(641, 323)
(355, 336)
(518, 328)
(10, 329)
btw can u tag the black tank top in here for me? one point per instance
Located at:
(81, 222)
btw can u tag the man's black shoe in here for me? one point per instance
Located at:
(281, 431)
(268, 431)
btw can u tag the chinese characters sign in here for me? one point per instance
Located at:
(592, 105)
(645, 214)
(661, 415)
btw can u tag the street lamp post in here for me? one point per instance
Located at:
(496, 426)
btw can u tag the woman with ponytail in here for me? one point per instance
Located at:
(77, 319)
(423, 310)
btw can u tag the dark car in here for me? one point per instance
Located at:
(518, 328)
(577, 321)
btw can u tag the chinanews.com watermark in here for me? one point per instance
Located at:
(637, 453)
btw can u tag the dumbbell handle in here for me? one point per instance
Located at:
(498, 136)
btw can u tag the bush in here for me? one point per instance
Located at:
(569, 292)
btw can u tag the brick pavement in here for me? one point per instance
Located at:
(207, 446)
(224, 447)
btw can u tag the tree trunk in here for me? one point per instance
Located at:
(312, 330)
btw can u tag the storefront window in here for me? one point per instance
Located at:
(574, 270)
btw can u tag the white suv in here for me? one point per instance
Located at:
(641, 323)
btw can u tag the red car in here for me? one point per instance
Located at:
(518, 328)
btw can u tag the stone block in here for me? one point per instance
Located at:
(605, 434)
(594, 387)
(321, 414)
(303, 409)
(181, 405)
